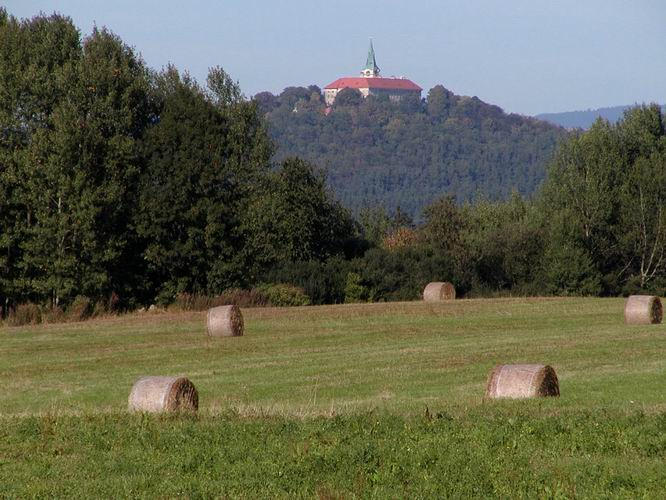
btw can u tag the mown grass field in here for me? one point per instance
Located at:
(340, 401)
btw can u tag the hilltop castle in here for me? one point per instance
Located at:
(370, 83)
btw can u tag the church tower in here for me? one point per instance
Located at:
(371, 69)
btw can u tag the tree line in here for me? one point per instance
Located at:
(129, 187)
(597, 226)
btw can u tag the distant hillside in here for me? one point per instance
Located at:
(584, 119)
(408, 154)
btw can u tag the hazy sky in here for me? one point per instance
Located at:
(527, 56)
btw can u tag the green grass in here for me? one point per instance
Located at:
(380, 455)
(357, 400)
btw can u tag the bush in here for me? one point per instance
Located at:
(25, 314)
(53, 315)
(100, 308)
(354, 291)
(237, 296)
(401, 274)
(282, 294)
(263, 295)
(114, 303)
(324, 282)
(242, 298)
(191, 302)
(82, 308)
(403, 237)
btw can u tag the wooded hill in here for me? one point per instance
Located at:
(408, 154)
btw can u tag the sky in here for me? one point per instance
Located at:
(526, 56)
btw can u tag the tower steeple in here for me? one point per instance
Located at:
(371, 69)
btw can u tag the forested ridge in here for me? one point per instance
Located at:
(122, 187)
(409, 153)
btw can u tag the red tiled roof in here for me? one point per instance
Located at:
(373, 83)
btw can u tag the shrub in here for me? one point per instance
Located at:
(324, 282)
(25, 314)
(236, 296)
(403, 237)
(114, 303)
(242, 298)
(53, 315)
(80, 309)
(282, 294)
(401, 274)
(100, 308)
(191, 302)
(354, 291)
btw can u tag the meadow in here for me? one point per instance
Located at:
(362, 400)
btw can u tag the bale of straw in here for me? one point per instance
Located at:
(522, 381)
(163, 394)
(224, 321)
(438, 291)
(643, 310)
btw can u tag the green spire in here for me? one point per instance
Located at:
(371, 68)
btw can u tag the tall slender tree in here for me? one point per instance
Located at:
(34, 54)
(80, 174)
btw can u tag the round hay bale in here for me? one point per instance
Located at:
(522, 381)
(438, 291)
(225, 321)
(643, 310)
(163, 394)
